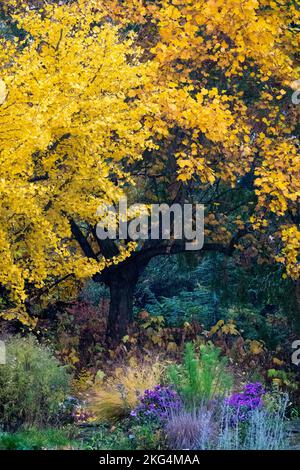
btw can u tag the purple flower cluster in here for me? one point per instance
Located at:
(157, 404)
(242, 404)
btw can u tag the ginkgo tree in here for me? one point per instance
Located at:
(205, 115)
(68, 121)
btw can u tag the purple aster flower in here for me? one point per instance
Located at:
(156, 404)
(242, 404)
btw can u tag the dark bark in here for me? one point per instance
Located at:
(121, 280)
(122, 285)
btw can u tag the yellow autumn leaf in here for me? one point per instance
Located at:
(277, 361)
(216, 327)
(172, 347)
(256, 347)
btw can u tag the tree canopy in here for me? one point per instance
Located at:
(163, 101)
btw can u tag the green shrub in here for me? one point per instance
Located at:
(185, 307)
(148, 436)
(34, 439)
(32, 385)
(123, 436)
(200, 378)
(108, 438)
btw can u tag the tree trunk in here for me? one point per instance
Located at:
(121, 285)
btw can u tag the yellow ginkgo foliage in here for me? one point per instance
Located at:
(68, 122)
(199, 100)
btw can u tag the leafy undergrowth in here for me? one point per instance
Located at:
(35, 439)
(192, 407)
(195, 402)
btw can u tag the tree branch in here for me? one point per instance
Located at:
(82, 241)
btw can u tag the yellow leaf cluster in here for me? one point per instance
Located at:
(68, 123)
